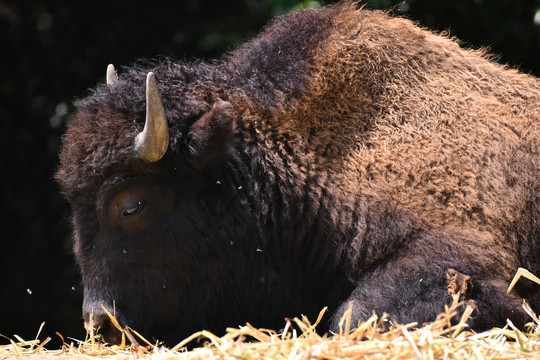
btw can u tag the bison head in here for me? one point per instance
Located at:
(158, 224)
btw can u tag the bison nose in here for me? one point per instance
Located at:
(101, 324)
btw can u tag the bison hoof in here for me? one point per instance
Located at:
(461, 285)
(458, 283)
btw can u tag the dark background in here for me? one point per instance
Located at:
(52, 51)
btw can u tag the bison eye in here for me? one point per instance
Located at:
(132, 209)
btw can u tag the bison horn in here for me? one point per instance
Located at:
(111, 75)
(152, 143)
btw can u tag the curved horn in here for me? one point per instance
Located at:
(152, 143)
(111, 75)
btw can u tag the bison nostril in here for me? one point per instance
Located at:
(100, 324)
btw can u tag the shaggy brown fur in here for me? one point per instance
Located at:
(363, 155)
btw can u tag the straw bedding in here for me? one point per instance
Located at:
(377, 338)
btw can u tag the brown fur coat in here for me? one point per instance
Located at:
(341, 158)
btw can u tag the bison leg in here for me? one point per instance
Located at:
(415, 294)
(413, 289)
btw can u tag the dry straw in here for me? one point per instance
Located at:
(376, 338)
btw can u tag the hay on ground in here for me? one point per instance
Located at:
(376, 338)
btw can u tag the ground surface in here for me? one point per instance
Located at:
(371, 339)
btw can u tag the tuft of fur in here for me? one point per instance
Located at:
(372, 156)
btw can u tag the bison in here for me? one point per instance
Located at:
(342, 158)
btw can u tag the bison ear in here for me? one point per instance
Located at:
(209, 137)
